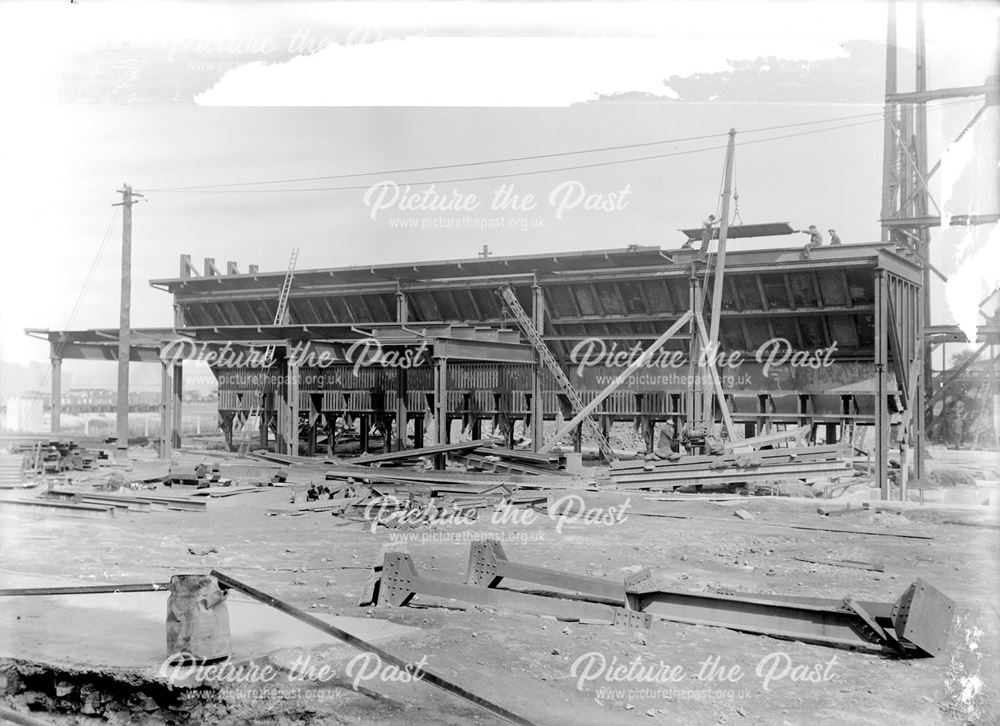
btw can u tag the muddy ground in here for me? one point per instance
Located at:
(545, 670)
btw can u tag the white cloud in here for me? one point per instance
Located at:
(978, 274)
(489, 71)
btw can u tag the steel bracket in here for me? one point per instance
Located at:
(488, 565)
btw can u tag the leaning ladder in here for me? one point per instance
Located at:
(280, 315)
(508, 296)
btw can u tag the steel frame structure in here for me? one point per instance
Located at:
(863, 297)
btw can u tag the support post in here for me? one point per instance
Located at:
(537, 404)
(889, 136)
(881, 386)
(401, 410)
(692, 398)
(166, 393)
(56, 394)
(177, 405)
(440, 407)
(402, 317)
(364, 427)
(288, 409)
(124, 325)
(264, 419)
(923, 348)
(418, 431)
(720, 271)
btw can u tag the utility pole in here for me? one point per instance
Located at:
(720, 268)
(125, 322)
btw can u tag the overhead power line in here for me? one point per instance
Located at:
(506, 175)
(236, 186)
(82, 294)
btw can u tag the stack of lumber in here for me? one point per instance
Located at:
(446, 481)
(12, 474)
(384, 505)
(806, 462)
(497, 460)
(409, 456)
(483, 463)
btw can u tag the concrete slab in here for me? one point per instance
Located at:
(127, 631)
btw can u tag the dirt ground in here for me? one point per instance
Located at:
(546, 671)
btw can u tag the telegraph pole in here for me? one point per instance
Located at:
(720, 269)
(124, 323)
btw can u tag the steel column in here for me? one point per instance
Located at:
(881, 384)
(56, 423)
(537, 402)
(124, 326)
(291, 432)
(692, 398)
(889, 151)
(166, 394)
(440, 407)
(177, 405)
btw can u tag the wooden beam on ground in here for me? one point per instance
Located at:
(788, 526)
(854, 564)
(767, 439)
(415, 453)
(85, 589)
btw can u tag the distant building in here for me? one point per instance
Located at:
(24, 412)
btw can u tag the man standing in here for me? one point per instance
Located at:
(707, 232)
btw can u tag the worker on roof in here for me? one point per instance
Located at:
(834, 238)
(707, 232)
(815, 236)
(815, 240)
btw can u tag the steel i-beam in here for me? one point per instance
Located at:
(916, 624)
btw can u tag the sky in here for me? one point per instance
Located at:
(172, 95)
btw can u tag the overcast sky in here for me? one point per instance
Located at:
(168, 95)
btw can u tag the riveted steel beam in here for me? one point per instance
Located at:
(400, 582)
(917, 624)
